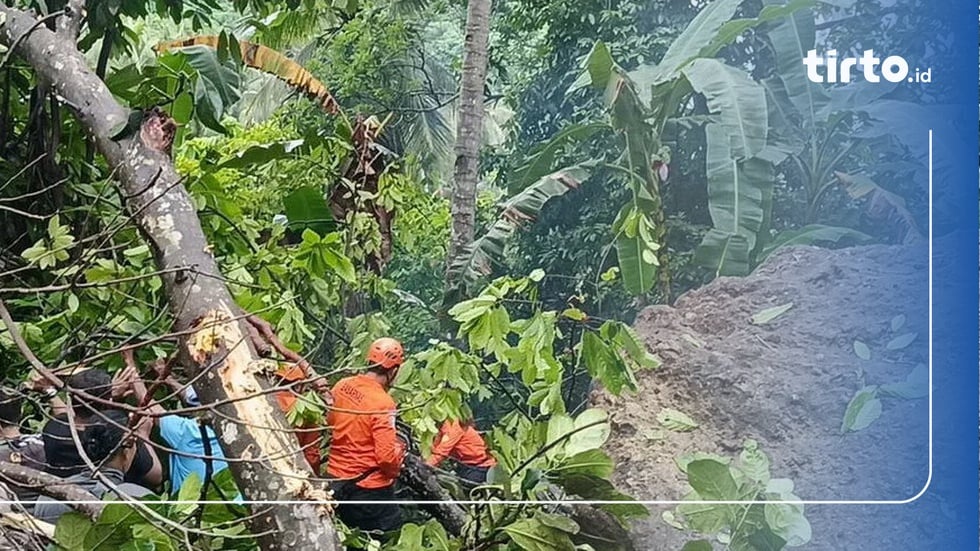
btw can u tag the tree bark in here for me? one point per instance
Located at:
(422, 480)
(51, 486)
(469, 128)
(251, 426)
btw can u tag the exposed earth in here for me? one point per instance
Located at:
(787, 384)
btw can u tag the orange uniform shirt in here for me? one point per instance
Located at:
(308, 439)
(363, 441)
(461, 442)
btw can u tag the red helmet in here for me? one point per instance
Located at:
(386, 352)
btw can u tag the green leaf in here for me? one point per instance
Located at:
(598, 68)
(739, 100)
(558, 522)
(700, 33)
(155, 537)
(558, 426)
(675, 420)
(862, 410)
(754, 463)
(670, 518)
(812, 235)
(487, 251)
(791, 38)
(897, 322)
(862, 350)
(915, 385)
(542, 160)
(574, 314)
(533, 535)
(137, 252)
(306, 208)
(706, 518)
(216, 89)
(638, 275)
(734, 28)
(765, 539)
(737, 192)
(769, 314)
(591, 438)
(112, 530)
(70, 531)
(72, 303)
(901, 341)
(590, 462)
(189, 491)
(712, 480)
(262, 153)
(410, 537)
(881, 204)
(788, 523)
(697, 545)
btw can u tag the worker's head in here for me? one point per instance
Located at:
(94, 382)
(107, 440)
(10, 404)
(384, 357)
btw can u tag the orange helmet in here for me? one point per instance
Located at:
(386, 352)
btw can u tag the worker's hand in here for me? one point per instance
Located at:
(160, 369)
(128, 357)
(37, 382)
(143, 426)
(323, 390)
(122, 382)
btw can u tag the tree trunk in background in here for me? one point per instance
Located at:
(469, 128)
(215, 341)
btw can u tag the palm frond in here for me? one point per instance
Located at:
(487, 252)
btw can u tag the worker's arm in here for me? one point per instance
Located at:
(446, 440)
(130, 377)
(388, 450)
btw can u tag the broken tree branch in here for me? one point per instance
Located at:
(51, 486)
(163, 212)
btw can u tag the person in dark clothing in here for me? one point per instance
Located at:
(107, 444)
(61, 452)
(15, 447)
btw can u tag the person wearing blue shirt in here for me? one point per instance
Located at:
(185, 435)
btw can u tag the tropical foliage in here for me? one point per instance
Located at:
(632, 151)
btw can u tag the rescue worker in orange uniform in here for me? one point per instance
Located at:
(365, 453)
(462, 442)
(309, 435)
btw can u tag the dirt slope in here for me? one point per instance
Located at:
(787, 384)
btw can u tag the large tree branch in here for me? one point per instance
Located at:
(422, 480)
(51, 486)
(218, 345)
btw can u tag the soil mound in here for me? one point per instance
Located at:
(787, 383)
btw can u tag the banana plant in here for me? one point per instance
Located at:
(740, 159)
(823, 129)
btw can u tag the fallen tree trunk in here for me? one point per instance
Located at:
(251, 426)
(598, 528)
(422, 480)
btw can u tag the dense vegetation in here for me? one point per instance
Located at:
(630, 151)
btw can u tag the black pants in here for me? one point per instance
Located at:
(473, 474)
(369, 517)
